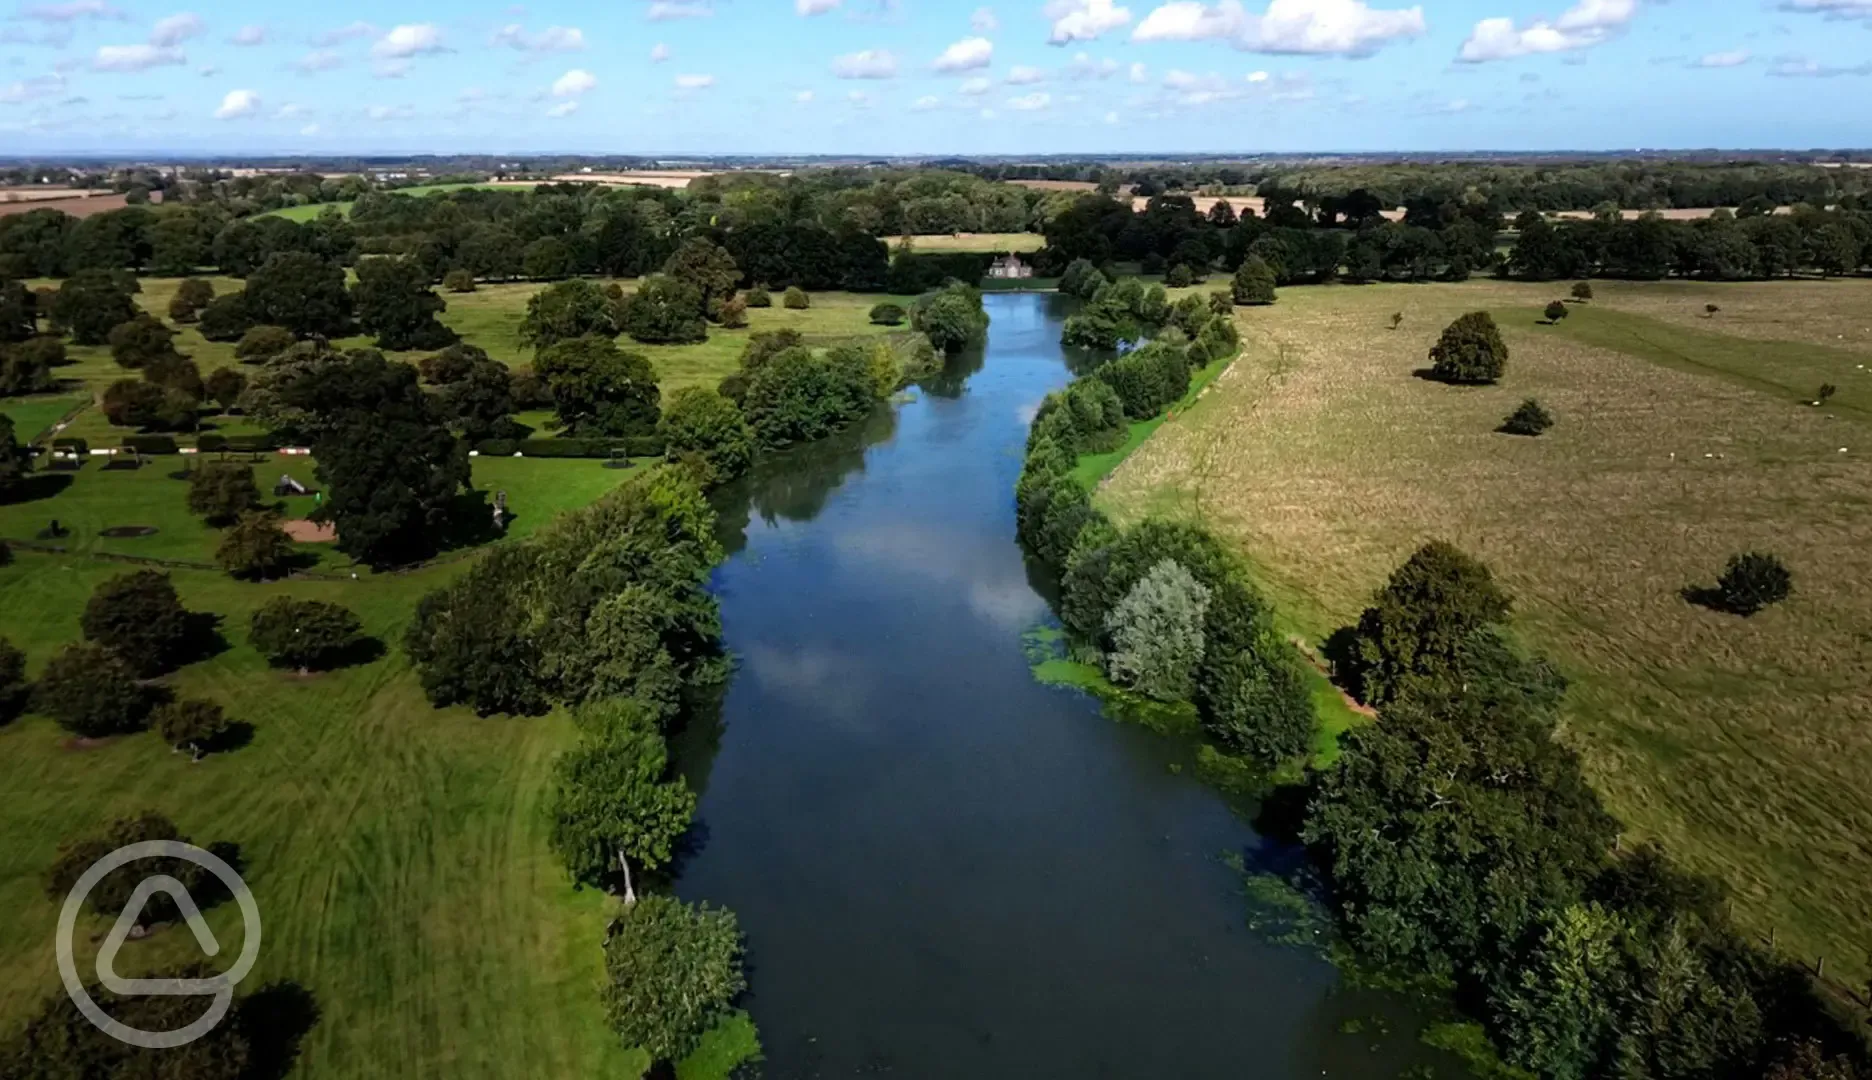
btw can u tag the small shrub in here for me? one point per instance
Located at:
(1556, 310)
(1753, 581)
(758, 296)
(189, 725)
(888, 314)
(190, 297)
(1179, 277)
(256, 547)
(1529, 419)
(732, 314)
(796, 298)
(262, 343)
(458, 281)
(1582, 291)
(13, 686)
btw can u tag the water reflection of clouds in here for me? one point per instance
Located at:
(823, 681)
(995, 585)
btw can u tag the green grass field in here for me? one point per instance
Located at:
(312, 210)
(397, 852)
(1743, 745)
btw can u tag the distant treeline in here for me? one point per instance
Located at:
(1348, 238)
(1502, 188)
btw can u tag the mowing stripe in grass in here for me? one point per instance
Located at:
(1789, 370)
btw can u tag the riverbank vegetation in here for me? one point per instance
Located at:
(1715, 739)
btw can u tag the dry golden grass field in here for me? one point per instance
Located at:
(1744, 745)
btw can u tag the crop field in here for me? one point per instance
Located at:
(488, 317)
(1682, 437)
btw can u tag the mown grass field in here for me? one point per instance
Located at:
(397, 852)
(488, 317)
(987, 243)
(312, 210)
(1745, 746)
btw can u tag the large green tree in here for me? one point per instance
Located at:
(393, 301)
(388, 462)
(220, 491)
(599, 389)
(702, 424)
(90, 303)
(311, 635)
(15, 463)
(1471, 351)
(301, 292)
(663, 311)
(705, 266)
(673, 972)
(139, 617)
(615, 803)
(567, 310)
(1417, 625)
(90, 692)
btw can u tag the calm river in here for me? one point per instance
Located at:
(944, 868)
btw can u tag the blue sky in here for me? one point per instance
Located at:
(921, 76)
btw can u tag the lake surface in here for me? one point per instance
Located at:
(944, 868)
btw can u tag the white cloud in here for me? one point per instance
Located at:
(1735, 58)
(175, 29)
(318, 60)
(410, 39)
(1323, 27)
(869, 64)
(564, 108)
(238, 103)
(28, 89)
(1083, 20)
(966, 55)
(858, 99)
(388, 112)
(207, 71)
(804, 97)
(1139, 73)
(288, 111)
(976, 86)
(309, 130)
(1111, 118)
(390, 69)
(1021, 75)
(1794, 67)
(987, 114)
(1084, 67)
(72, 11)
(815, 7)
(135, 57)
(1257, 76)
(665, 10)
(984, 21)
(659, 53)
(1585, 24)
(551, 39)
(574, 83)
(249, 35)
(694, 82)
(926, 103)
(351, 32)
(1031, 102)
